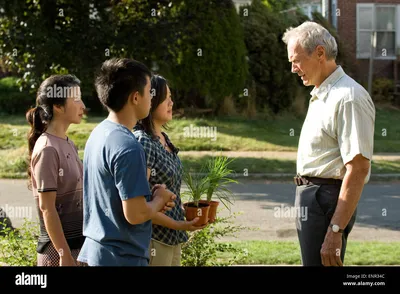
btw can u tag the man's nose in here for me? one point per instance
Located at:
(294, 69)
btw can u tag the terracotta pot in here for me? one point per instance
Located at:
(212, 214)
(192, 211)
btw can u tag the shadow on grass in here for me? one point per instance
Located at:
(283, 133)
(239, 133)
(244, 166)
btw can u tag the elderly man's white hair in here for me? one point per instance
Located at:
(310, 35)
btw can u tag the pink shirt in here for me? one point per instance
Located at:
(57, 167)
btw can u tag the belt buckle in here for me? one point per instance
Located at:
(297, 180)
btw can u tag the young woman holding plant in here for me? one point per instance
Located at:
(55, 170)
(164, 167)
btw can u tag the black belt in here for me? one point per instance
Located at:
(298, 180)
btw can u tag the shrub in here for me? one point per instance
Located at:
(203, 248)
(18, 246)
(382, 90)
(274, 83)
(210, 58)
(12, 100)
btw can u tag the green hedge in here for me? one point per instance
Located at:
(12, 100)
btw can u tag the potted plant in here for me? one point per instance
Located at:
(197, 187)
(218, 177)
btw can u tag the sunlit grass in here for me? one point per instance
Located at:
(288, 252)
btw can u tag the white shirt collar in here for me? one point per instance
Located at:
(322, 91)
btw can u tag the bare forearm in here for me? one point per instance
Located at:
(165, 221)
(55, 231)
(350, 193)
(152, 208)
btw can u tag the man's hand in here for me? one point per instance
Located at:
(350, 193)
(168, 206)
(167, 196)
(190, 225)
(156, 186)
(331, 249)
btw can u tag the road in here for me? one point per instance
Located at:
(256, 200)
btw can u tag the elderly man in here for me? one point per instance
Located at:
(335, 146)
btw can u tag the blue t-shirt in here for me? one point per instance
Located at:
(114, 170)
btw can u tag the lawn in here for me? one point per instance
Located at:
(224, 134)
(13, 164)
(288, 253)
(231, 134)
(249, 165)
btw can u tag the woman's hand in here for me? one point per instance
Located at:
(67, 260)
(190, 225)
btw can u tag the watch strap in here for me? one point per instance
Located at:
(340, 230)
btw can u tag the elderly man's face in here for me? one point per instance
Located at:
(307, 67)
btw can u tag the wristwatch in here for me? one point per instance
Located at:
(336, 228)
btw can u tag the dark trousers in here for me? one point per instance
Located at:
(319, 202)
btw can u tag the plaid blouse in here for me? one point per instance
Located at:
(165, 168)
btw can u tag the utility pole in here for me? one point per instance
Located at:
(371, 61)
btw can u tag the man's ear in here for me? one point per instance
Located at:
(320, 52)
(134, 98)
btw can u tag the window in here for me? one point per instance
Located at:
(378, 21)
(316, 8)
(334, 13)
(308, 9)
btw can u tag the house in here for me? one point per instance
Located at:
(239, 3)
(310, 6)
(370, 30)
(306, 6)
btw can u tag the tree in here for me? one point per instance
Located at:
(264, 27)
(210, 61)
(280, 5)
(45, 37)
(199, 47)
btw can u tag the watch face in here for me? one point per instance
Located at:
(335, 228)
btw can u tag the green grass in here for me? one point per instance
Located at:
(288, 253)
(232, 134)
(241, 165)
(267, 165)
(14, 131)
(237, 134)
(387, 130)
(13, 164)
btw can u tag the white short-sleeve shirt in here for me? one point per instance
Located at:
(339, 125)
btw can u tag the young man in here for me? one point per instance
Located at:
(118, 205)
(335, 147)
